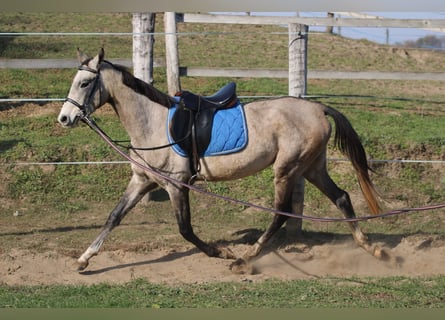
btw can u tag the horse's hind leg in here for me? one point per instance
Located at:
(321, 179)
(294, 227)
(283, 202)
(241, 265)
(136, 189)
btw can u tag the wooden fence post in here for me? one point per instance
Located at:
(171, 51)
(330, 29)
(143, 41)
(297, 59)
(297, 88)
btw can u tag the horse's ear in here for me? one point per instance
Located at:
(97, 60)
(101, 55)
(82, 57)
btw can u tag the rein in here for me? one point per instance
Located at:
(158, 174)
(130, 147)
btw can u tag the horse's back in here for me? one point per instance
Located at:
(288, 109)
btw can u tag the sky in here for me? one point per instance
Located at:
(379, 35)
(395, 35)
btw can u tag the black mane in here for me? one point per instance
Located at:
(144, 88)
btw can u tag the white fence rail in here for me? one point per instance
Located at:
(319, 22)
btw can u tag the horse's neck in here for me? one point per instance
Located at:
(140, 116)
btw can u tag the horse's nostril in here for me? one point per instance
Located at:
(63, 119)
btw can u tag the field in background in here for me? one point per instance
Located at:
(46, 208)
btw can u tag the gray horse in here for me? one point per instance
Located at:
(289, 133)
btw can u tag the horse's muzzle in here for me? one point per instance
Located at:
(69, 116)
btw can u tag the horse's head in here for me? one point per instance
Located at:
(87, 91)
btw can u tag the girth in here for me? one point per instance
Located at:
(191, 125)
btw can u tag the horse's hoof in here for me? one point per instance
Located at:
(226, 253)
(82, 265)
(382, 253)
(377, 252)
(387, 256)
(241, 266)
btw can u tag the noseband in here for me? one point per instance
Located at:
(87, 108)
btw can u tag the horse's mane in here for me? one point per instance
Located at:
(144, 88)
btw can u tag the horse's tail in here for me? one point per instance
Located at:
(348, 142)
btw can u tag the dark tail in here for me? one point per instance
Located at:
(348, 142)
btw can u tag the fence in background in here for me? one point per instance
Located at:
(299, 67)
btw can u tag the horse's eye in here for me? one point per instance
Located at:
(85, 83)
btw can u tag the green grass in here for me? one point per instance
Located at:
(405, 129)
(41, 139)
(49, 184)
(394, 292)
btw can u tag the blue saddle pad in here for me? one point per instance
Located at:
(229, 132)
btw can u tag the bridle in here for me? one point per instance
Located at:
(87, 107)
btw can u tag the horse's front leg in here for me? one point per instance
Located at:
(180, 201)
(136, 189)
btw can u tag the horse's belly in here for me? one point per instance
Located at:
(233, 166)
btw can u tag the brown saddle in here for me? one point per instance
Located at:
(191, 124)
